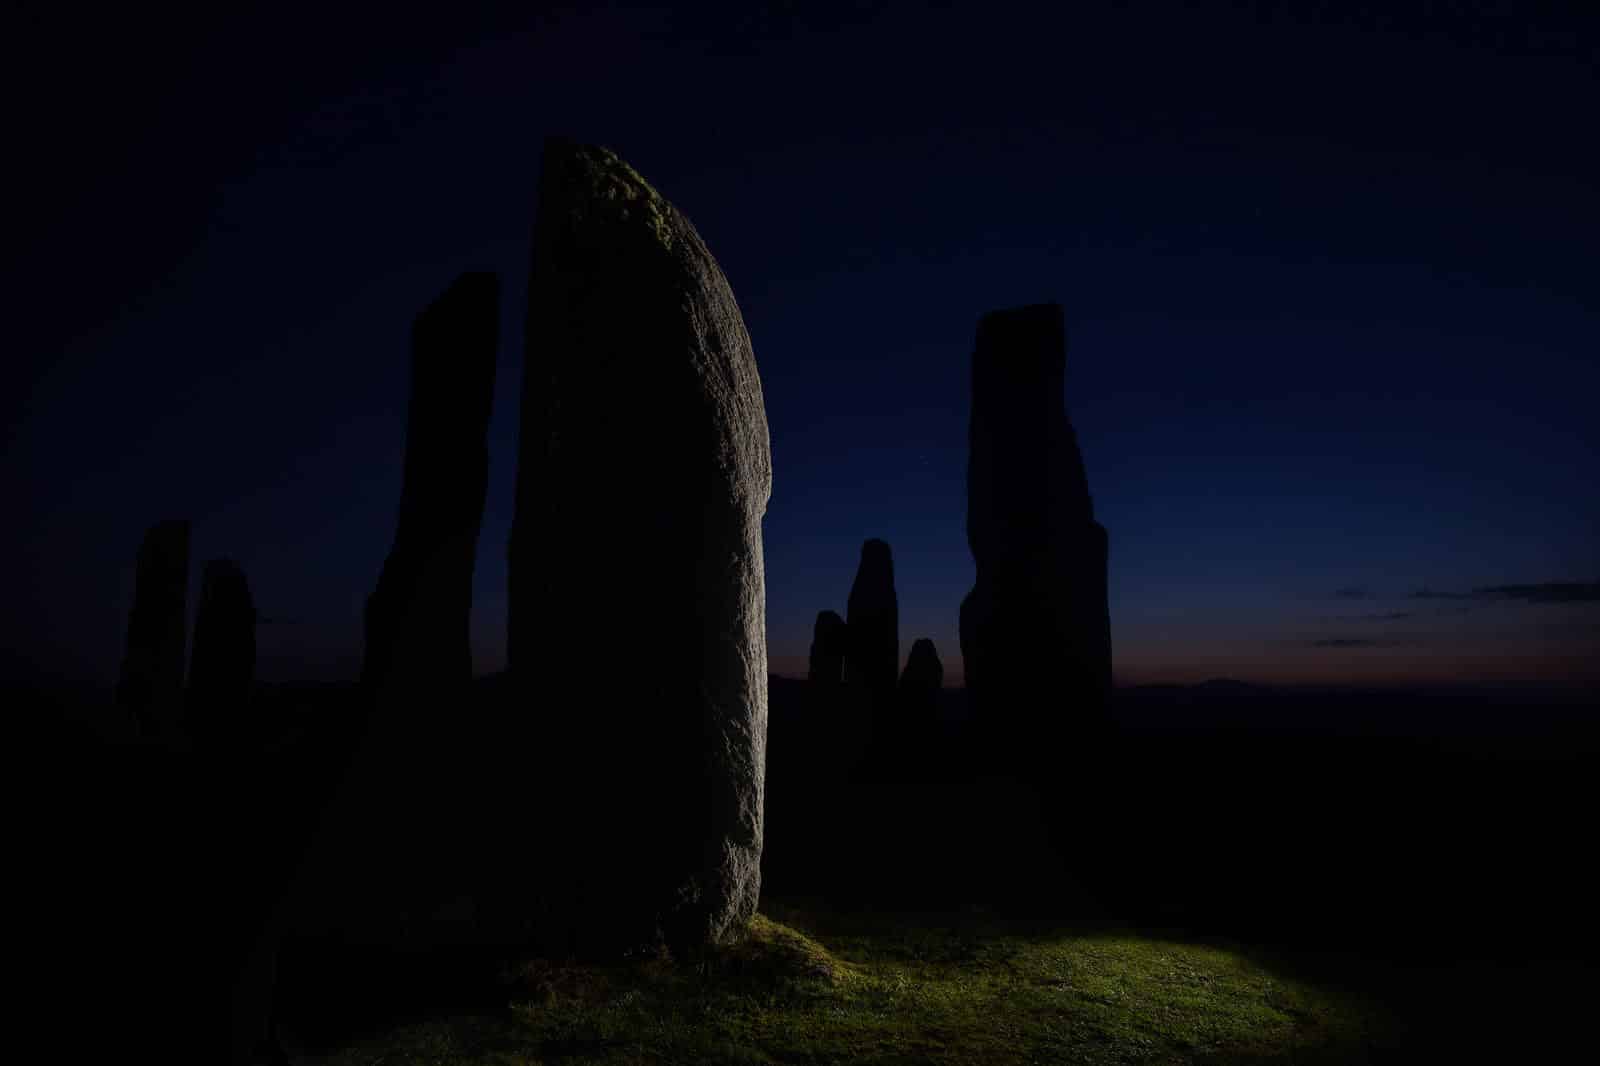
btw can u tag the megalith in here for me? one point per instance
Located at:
(416, 617)
(637, 599)
(396, 793)
(914, 736)
(872, 659)
(1035, 629)
(828, 643)
(222, 663)
(923, 669)
(150, 686)
(384, 792)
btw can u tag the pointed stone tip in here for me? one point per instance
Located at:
(1043, 312)
(476, 279)
(1032, 323)
(169, 531)
(468, 286)
(875, 546)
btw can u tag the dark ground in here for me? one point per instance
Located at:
(1433, 846)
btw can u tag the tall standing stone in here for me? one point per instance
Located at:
(872, 661)
(1035, 630)
(384, 806)
(829, 639)
(222, 665)
(151, 684)
(417, 664)
(637, 589)
(416, 618)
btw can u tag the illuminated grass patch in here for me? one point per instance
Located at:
(808, 987)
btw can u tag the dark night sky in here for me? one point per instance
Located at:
(1328, 278)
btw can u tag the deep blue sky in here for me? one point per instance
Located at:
(1328, 279)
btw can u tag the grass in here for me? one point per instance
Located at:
(810, 986)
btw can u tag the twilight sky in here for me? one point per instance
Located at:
(1333, 345)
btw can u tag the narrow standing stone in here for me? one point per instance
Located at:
(829, 640)
(222, 667)
(382, 824)
(416, 618)
(873, 658)
(151, 684)
(417, 665)
(1035, 630)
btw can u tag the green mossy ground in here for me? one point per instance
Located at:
(810, 986)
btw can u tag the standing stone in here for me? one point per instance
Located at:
(1035, 630)
(638, 596)
(151, 684)
(398, 792)
(828, 643)
(872, 660)
(416, 618)
(923, 669)
(383, 793)
(916, 726)
(222, 666)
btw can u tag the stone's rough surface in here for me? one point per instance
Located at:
(872, 660)
(923, 668)
(828, 643)
(151, 684)
(637, 596)
(1035, 630)
(222, 665)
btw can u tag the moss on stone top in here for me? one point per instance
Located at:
(611, 178)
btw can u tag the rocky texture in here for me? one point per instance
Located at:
(828, 643)
(151, 684)
(222, 665)
(872, 660)
(1035, 630)
(637, 594)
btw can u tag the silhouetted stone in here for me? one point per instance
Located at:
(222, 665)
(828, 644)
(923, 668)
(417, 664)
(911, 740)
(151, 684)
(1035, 630)
(416, 625)
(382, 795)
(637, 588)
(872, 660)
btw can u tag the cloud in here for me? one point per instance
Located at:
(1545, 592)
(1353, 642)
(1353, 592)
(1382, 616)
